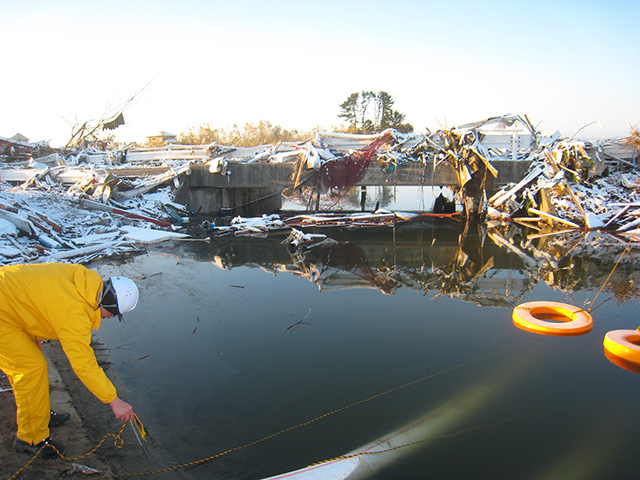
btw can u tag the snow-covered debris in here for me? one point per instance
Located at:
(67, 204)
(69, 218)
(147, 235)
(257, 225)
(568, 185)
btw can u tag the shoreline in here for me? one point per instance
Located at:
(90, 421)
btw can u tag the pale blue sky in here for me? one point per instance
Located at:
(563, 63)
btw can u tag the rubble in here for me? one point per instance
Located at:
(379, 218)
(69, 205)
(568, 188)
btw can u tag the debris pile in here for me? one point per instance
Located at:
(44, 226)
(68, 205)
(78, 212)
(574, 185)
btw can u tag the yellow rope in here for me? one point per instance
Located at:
(26, 465)
(118, 442)
(397, 447)
(138, 424)
(273, 435)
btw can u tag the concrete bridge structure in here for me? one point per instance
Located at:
(250, 189)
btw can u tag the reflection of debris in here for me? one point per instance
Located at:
(486, 266)
(297, 239)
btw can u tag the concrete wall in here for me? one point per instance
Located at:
(268, 174)
(246, 202)
(254, 189)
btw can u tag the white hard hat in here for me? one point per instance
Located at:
(125, 293)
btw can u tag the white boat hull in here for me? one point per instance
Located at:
(365, 461)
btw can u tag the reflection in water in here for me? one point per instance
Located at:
(234, 355)
(462, 261)
(621, 362)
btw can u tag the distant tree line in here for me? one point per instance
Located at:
(364, 112)
(251, 135)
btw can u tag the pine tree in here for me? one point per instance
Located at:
(370, 112)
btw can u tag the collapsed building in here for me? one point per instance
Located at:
(66, 205)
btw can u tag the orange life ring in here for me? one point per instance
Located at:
(621, 362)
(565, 319)
(624, 344)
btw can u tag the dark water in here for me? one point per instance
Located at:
(240, 338)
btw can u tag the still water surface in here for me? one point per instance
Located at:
(241, 338)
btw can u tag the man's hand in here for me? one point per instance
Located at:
(122, 410)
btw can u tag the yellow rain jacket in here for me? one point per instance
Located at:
(42, 302)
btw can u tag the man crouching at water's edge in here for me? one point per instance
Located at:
(62, 302)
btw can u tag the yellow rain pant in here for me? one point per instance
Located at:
(25, 366)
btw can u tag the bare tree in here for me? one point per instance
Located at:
(88, 132)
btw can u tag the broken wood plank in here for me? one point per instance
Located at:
(575, 200)
(9, 208)
(498, 200)
(550, 234)
(528, 225)
(555, 166)
(617, 215)
(50, 222)
(107, 208)
(21, 175)
(85, 250)
(18, 220)
(618, 159)
(632, 204)
(554, 218)
(629, 226)
(27, 254)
